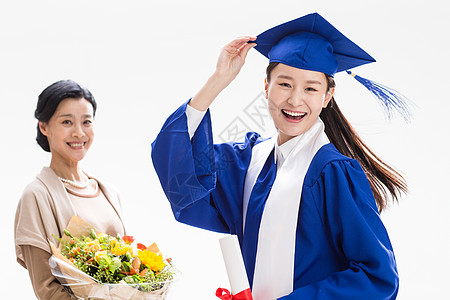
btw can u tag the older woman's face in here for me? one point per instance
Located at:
(70, 130)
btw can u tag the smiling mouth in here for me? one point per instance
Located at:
(77, 145)
(292, 115)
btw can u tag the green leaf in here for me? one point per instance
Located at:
(126, 267)
(93, 234)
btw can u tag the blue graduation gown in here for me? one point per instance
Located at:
(342, 248)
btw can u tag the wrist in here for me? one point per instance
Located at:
(215, 84)
(220, 80)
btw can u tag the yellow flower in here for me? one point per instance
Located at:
(94, 244)
(152, 260)
(100, 254)
(121, 249)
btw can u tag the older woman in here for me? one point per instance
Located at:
(65, 113)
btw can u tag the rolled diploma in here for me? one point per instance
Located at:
(234, 264)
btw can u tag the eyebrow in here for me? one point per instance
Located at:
(313, 82)
(291, 78)
(71, 116)
(285, 77)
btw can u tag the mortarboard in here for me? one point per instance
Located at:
(312, 43)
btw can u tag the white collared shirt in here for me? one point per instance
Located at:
(283, 151)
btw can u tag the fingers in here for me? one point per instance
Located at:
(240, 42)
(233, 55)
(244, 49)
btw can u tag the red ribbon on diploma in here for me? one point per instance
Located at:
(244, 295)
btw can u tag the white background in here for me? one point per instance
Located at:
(142, 59)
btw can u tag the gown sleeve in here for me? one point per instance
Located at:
(194, 118)
(350, 218)
(203, 182)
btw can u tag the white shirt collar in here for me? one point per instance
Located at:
(283, 151)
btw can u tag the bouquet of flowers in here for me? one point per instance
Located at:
(99, 266)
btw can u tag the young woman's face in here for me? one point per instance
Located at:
(296, 98)
(70, 130)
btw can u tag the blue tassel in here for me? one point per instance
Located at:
(390, 99)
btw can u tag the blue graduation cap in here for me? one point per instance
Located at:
(312, 43)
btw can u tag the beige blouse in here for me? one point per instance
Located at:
(45, 210)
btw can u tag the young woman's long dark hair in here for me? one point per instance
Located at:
(383, 179)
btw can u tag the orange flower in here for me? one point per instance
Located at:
(128, 239)
(154, 248)
(141, 246)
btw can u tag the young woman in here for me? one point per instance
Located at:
(306, 215)
(65, 113)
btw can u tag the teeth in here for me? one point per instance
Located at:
(294, 114)
(76, 144)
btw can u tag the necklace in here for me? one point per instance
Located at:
(88, 194)
(73, 183)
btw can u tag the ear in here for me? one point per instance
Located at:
(266, 88)
(43, 128)
(328, 97)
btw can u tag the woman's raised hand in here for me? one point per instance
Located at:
(231, 59)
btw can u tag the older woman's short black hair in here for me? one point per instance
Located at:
(49, 100)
